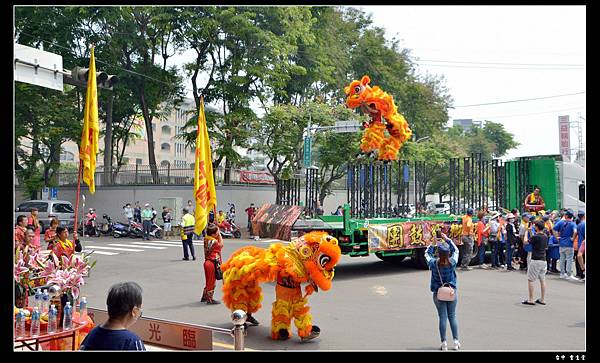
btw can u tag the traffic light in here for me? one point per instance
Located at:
(103, 79)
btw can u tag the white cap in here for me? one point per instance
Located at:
(147, 205)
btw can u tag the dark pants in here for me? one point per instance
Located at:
(147, 225)
(509, 254)
(501, 253)
(495, 257)
(188, 243)
(481, 251)
(522, 256)
(580, 273)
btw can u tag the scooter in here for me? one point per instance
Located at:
(105, 228)
(136, 230)
(233, 232)
(120, 230)
(156, 231)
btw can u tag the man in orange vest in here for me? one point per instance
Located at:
(467, 239)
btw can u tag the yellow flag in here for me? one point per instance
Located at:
(204, 182)
(91, 129)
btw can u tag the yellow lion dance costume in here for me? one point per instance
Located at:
(309, 259)
(377, 104)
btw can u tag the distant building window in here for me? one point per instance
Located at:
(165, 146)
(165, 163)
(166, 130)
(67, 156)
(138, 161)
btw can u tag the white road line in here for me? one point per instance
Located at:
(117, 249)
(174, 243)
(141, 246)
(154, 244)
(101, 252)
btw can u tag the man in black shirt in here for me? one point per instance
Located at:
(536, 270)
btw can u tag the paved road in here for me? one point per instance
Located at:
(371, 306)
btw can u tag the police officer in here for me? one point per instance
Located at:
(187, 234)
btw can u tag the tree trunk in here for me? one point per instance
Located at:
(150, 141)
(108, 141)
(227, 175)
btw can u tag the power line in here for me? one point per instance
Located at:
(500, 67)
(528, 114)
(521, 100)
(502, 63)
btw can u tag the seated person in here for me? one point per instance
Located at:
(124, 305)
(222, 221)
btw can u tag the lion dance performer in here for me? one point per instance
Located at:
(377, 104)
(309, 259)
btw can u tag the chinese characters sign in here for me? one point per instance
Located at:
(564, 137)
(406, 235)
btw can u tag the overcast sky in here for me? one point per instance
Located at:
(484, 36)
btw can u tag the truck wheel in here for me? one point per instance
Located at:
(419, 258)
(391, 259)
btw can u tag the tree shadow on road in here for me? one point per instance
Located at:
(373, 268)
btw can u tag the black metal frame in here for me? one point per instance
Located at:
(288, 192)
(474, 181)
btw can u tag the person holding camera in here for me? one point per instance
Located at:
(443, 284)
(537, 266)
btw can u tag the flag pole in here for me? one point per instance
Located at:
(77, 195)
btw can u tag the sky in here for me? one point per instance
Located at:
(490, 54)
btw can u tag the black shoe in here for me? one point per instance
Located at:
(185, 259)
(250, 319)
(511, 268)
(203, 299)
(315, 332)
(194, 258)
(212, 302)
(283, 334)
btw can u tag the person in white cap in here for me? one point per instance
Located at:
(147, 221)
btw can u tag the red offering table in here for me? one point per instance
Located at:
(28, 341)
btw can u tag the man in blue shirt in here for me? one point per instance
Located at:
(580, 238)
(565, 231)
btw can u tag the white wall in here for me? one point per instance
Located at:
(111, 199)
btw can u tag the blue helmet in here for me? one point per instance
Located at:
(470, 211)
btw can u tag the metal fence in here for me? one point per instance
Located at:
(142, 175)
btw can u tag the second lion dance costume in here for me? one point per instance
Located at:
(309, 259)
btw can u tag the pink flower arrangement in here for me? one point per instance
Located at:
(68, 274)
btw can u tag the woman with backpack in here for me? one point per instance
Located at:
(443, 284)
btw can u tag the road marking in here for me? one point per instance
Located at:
(150, 247)
(379, 290)
(117, 249)
(155, 244)
(175, 243)
(101, 252)
(229, 346)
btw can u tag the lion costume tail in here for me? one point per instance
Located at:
(242, 274)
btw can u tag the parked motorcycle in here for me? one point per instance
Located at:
(105, 228)
(136, 230)
(120, 230)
